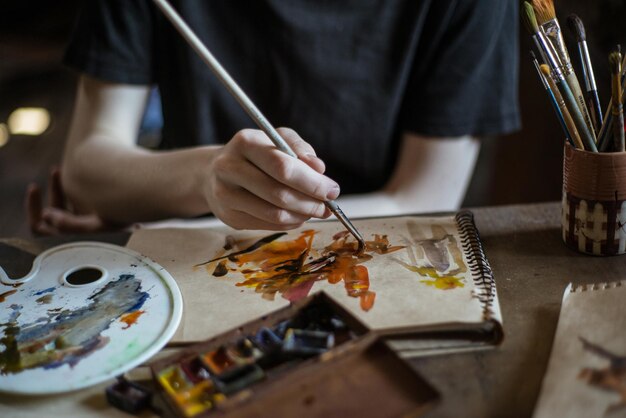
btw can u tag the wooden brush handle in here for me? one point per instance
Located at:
(574, 86)
(574, 110)
(618, 127)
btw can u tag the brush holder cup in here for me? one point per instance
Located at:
(593, 216)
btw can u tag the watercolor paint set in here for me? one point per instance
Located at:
(312, 358)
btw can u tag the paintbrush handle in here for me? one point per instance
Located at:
(244, 101)
(618, 113)
(561, 117)
(223, 76)
(618, 127)
(572, 82)
(569, 123)
(604, 137)
(593, 103)
(574, 111)
(564, 114)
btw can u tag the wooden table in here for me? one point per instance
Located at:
(532, 267)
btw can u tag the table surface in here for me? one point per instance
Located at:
(532, 267)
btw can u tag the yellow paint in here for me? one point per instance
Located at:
(197, 399)
(173, 380)
(445, 282)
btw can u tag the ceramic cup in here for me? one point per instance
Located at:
(593, 210)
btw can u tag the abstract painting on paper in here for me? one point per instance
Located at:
(415, 272)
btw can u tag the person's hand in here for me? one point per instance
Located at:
(253, 185)
(57, 218)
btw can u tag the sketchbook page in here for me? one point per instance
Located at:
(586, 374)
(413, 273)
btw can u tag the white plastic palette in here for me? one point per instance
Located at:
(86, 312)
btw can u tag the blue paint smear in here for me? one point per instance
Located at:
(48, 290)
(71, 335)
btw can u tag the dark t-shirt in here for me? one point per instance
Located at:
(349, 76)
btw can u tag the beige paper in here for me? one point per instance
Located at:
(587, 370)
(405, 295)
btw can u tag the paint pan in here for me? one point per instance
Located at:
(300, 342)
(302, 371)
(85, 313)
(128, 396)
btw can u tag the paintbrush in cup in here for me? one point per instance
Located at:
(574, 136)
(549, 56)
(549, 24)
(247, 104)
(606, 134)
(593, 101)
(617, 110)
(556, 105)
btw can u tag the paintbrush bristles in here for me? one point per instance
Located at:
(545, 69)
(544, 10)
(615, 62)
(577, 27)
(528, 16)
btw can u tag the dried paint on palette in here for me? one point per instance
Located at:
(68, 336)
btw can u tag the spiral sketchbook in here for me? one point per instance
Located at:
(586, 374)
(423, 282)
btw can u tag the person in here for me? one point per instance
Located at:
(385, 99)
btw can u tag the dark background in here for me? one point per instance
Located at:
(519, 168)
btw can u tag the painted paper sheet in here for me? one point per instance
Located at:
(586, 374)
(413, 272)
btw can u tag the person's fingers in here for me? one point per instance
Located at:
(242, 174)
(241, 220)
(56, 196)
(33, 205)
(256, 147)
(67, 222)
(303, 149)
(241, 200)
(45, 229)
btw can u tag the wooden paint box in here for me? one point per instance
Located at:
(312, 358)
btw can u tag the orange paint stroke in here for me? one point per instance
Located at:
(130, 318)
(290, 268)
(4, 295)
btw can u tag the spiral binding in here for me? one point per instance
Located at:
(587, 287)
(482, 274)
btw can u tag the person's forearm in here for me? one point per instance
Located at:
(132, 184)
(431, 175)
(247, 183)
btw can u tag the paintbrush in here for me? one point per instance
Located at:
(593, 101)
(553, 100)
(605, 135)
(546, 18)
(547, 52)
(617, 110)
(559, 106)
(246, 103)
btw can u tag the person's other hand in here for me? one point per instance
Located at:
(254, 185)
(57, 218)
